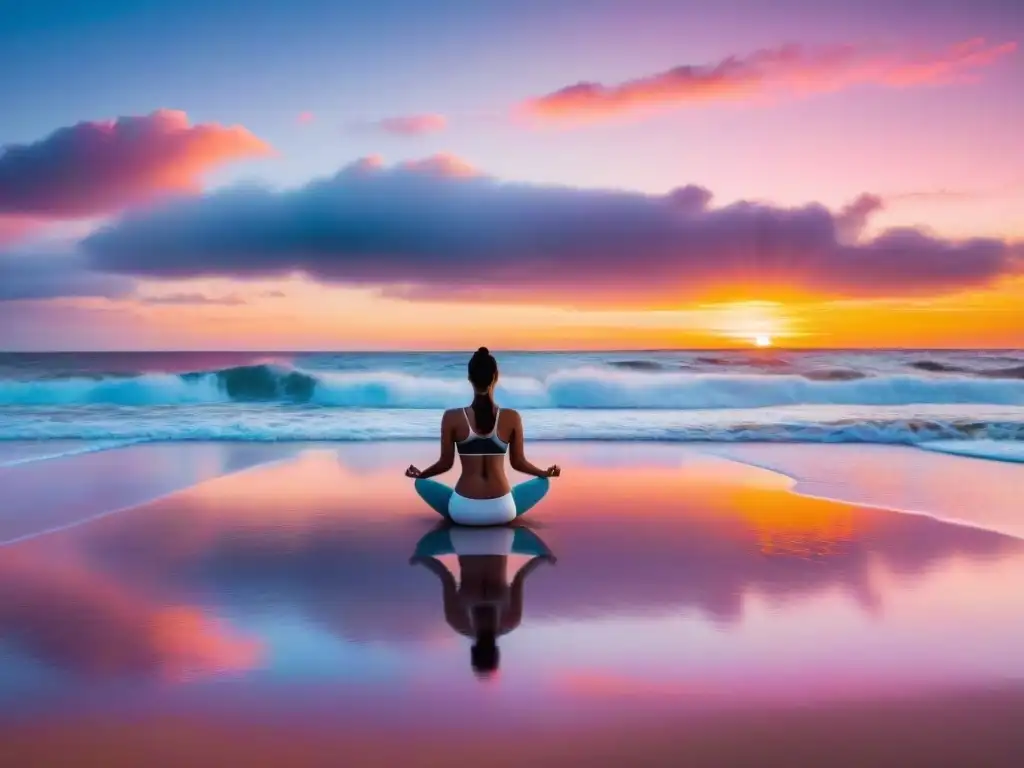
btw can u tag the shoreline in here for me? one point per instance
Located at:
(799, 463)
(926, 489)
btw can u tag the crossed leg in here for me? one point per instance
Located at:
(526, 495)
(436, 494)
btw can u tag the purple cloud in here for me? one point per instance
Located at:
(851, 220)
(102, 167)
(34, 276)
(421, 231)
(413, 125)
(195, 299)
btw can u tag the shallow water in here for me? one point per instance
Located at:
(267, 613)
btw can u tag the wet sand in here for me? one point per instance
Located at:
(256, 605)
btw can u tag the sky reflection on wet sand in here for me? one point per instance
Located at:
(692, 596)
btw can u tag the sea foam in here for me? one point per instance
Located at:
(575, 388)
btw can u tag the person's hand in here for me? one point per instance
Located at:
(553, 471)
(412, 472)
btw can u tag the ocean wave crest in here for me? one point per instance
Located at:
(575, 388)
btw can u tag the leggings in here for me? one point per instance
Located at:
(525, 495)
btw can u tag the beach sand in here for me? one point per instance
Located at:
(232, 604)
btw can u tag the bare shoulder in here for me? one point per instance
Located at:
(509, 424)
(450, 422)
(510, 416)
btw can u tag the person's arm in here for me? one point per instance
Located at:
(514, 615)
(517, 454)
(447, 459)
(454, 613)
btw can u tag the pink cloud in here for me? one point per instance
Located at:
(957, 64)
(791, 70)
(305, 117)
(14, 228)
(413, 125)
(101, 167)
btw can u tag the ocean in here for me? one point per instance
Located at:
(968, 402)
(177, 586)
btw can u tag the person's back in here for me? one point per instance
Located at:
(482, 434)
(482, 451)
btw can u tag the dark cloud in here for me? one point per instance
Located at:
(428, 229)
(29, 276)
(100, 167)
(198, 299)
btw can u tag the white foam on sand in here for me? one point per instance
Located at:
(15, 452)
(982, 494)
(996, 450)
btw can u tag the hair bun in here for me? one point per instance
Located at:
(483, 351)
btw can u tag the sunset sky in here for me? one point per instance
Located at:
(401, 174)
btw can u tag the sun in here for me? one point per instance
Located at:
(762, 340)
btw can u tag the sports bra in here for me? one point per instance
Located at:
(482, 445)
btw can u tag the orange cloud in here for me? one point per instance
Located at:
(442, 164)
(792, 70)
(126, 161)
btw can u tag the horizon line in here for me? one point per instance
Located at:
(610, 350)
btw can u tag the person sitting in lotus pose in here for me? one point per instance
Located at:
(482, 434)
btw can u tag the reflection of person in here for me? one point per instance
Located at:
(482, 434)
(483, 605)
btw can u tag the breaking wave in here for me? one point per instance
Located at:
(574, 388)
